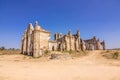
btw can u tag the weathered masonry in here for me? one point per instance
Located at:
(36, 41)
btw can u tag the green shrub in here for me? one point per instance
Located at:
(107, 51)
(47, 52)
(2, 48)
(70, 52)
(115, 55)
(85, 52)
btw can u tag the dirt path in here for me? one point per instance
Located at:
(86, 68)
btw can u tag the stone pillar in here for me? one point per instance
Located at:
(36, 41)
(94, 46)
(98, 45)
(72, 43)
(67, 42)
(104, 45)
(94, 38)
(83, 48)
(60, 35)
(24, 43)
(63, 46)
(79, 41)
(70, 39)
(86, 44)
(77, 44)
(55, 36)
(89, 45)
(29, 34)
(94, 42)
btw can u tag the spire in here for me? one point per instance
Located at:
(36, 23)
(103, 42)
(78, 33)
(30, 26)
(37, 27)
(94, 38)
(69, 32)
(98, 40)
(60, 35)
(25, 33)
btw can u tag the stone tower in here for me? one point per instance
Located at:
(41, 39)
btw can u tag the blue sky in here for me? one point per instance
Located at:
(99, 18)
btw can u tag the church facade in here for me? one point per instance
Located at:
(36, 41)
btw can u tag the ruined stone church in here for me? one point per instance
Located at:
(36, 41)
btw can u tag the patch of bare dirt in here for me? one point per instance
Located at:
(92, 66)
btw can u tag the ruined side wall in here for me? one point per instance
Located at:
(53, 45)
(44, 40)
(69, 43)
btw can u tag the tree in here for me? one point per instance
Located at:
(2, 48)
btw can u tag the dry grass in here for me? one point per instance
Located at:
(9, 52)
(76, 53)
(111, 54)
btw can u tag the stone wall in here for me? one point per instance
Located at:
(68, 41)
(53, 46)
(94, 44)
(36, 41)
